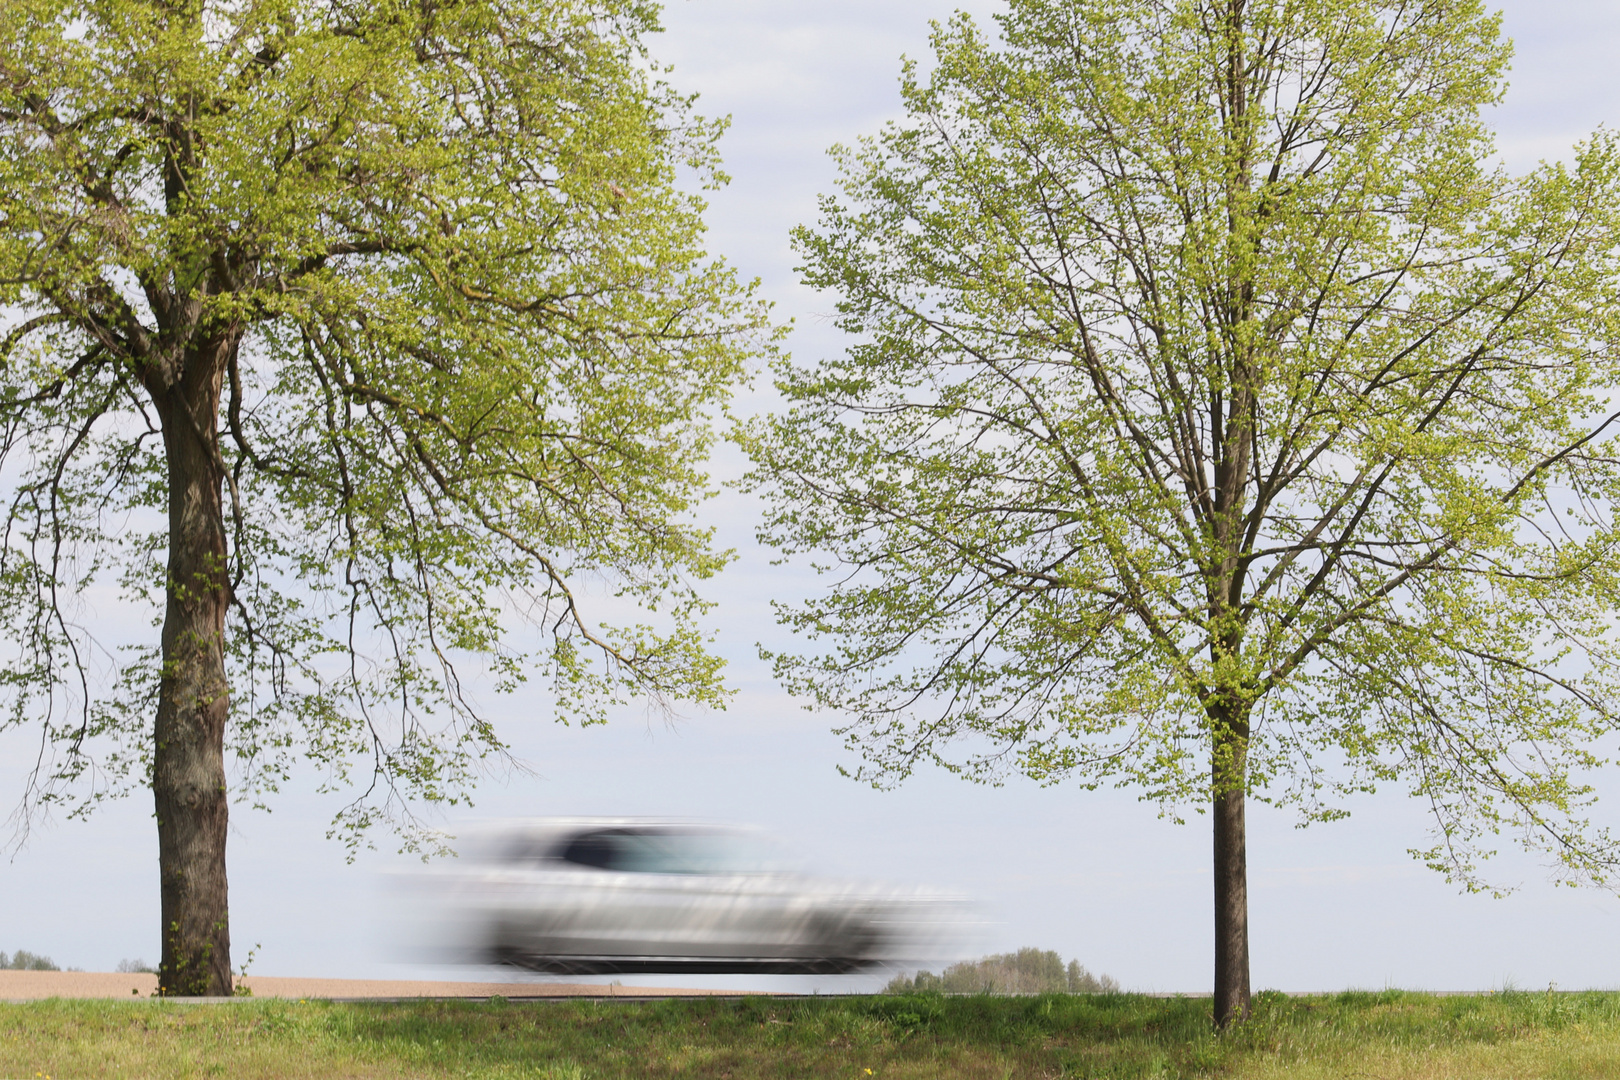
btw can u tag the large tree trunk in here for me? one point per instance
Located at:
(1230, 766)
(188, 778)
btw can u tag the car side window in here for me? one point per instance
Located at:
(598, 849)
(663, 851)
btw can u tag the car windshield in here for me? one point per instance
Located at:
(671, 851)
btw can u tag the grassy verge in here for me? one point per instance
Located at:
(1386, 1036)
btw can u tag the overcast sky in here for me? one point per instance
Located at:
(1095, 876)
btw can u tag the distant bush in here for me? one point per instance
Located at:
(127, 967)
(23, 960)
(1027, 971)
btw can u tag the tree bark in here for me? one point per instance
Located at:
(1229, 775)
(188, 777)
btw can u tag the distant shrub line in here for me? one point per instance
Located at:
(23, 960)
(1027, 971)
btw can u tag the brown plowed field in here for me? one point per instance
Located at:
(34, 985)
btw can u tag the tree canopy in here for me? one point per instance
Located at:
(353, 336)
(1220, 419)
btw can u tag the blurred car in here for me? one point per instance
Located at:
(591, 896)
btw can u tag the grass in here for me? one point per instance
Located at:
(1381, 1036)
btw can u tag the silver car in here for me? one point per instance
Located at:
(590, 896)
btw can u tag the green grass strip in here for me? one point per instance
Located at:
(1385, 1036)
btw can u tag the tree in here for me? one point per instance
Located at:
(356, 333)
(1220, 421)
